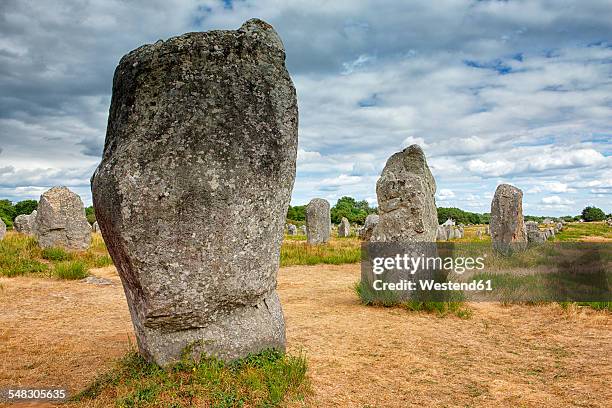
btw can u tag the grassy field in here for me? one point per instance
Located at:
(267, 379)
(337, 251)
(585, 231)
(21, 255)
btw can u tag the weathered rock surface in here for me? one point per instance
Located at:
(534, 234)
(2, 229)
(193, 189)
(441, 233)
(507, 225)
(291, 229)
(318, 221)
(344, 229)
(406, 203)
(60, 220)
(371, 221)
(24, 223)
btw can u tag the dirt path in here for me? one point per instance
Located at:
(56, 333)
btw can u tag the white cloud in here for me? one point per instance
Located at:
(556, 200)
(304, 156)
(444, 194)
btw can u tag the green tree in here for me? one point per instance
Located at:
(25, 207)
(7, 212)
(354, 211)
(593, 214)
(296, 213)
(459, 216)
(90, 213)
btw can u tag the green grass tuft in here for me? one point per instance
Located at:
(19, 255)
(267, 379)
(56, 254)
(70, 270)
(454, 306)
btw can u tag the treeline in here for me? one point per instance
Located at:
(354, 211)
(357, 211)
(462, 217)
(10, 211)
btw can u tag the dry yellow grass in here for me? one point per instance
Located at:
(60, 333)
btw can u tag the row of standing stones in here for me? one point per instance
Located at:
(193, 188)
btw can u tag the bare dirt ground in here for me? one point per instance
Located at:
(58, 333)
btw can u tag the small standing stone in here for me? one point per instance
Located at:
(318, 221)
(303, 229)
(291, 229)
(2, 229)
(95, 227)
(61, 221)
(441, 233)
(25, 223)
(344, 229)
(371, 222)
(534, 234)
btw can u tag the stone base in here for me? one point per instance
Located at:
(249, 329)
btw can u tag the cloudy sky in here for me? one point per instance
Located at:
(494, 91)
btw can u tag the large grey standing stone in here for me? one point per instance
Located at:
(370, 223)
(406, 203)
(507, 225)
(344, 229)
(24, 223)
(2, 229)
(60, 220)
(193, 189)
(318, 221)
(408, 224)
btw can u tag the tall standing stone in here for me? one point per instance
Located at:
(318, 221)
(507, 225)
(193, 189)
(406, 203)
(2, 229)
(344, 229)
(60, 220)
(407, 226)
(24, 223)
